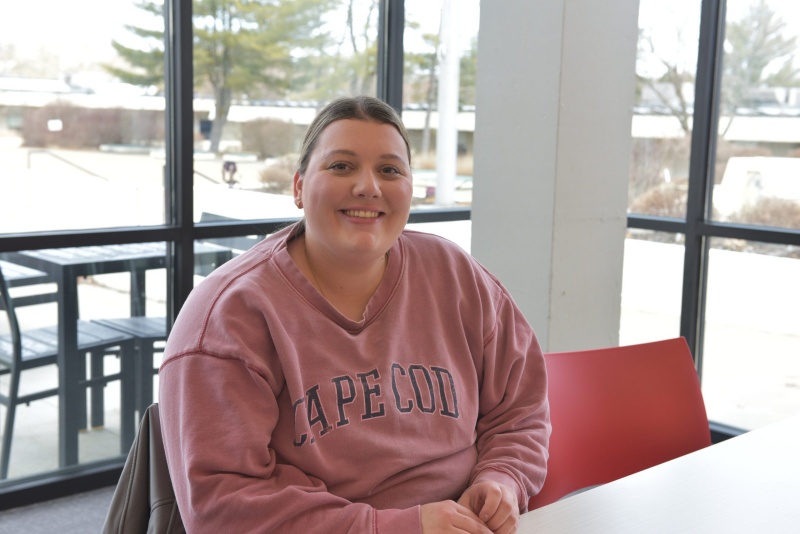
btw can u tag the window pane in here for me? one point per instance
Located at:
(758, 156)
(652, 279)
(97, 284)
(662, 119)
(440, 61)
(751, 356)
(114, 301)
(257, 90)
(81, 132)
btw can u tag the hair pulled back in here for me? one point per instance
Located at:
(366, 108)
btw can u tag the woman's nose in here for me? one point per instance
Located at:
(367, 185)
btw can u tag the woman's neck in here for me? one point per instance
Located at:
(347, 286)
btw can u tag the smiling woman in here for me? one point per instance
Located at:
(356, 194)
(359, 392)
(354, 182)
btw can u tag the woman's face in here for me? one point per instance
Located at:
(356, 191)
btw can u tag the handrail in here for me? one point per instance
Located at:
(61, 158)
(210, 179)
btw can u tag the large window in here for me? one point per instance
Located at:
(715, 199)
(154, 140)
(79, 147)
(148, 143)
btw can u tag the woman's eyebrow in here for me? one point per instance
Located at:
(393, 156)
(346, 152)
(340, 151)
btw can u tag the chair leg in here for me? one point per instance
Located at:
(97, 406)
(11, 409)
(144, 376)
(128, 417)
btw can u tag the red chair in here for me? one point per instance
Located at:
(620, 410)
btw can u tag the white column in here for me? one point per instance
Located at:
(555, 91)
(446, 130)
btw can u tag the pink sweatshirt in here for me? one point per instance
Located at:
(279, 414)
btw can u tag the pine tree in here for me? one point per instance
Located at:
(242, 49)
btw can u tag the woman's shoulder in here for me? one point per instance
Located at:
(253, 264)
(435, 252)
(432, 243)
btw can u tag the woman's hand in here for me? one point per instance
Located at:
(449, 516)
(495, 504)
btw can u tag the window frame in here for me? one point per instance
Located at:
(698, 227)
(179, 230)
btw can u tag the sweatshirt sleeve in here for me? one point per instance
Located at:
(514, 420)
(217, 417)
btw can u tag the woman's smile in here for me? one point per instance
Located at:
(362, 214)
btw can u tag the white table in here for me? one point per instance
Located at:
(750, 483)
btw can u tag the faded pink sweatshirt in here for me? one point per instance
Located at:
(279, 414)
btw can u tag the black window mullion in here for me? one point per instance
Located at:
(701, 173)
(178, 71)
(391, 25)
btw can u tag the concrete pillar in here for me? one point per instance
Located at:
(555, 91)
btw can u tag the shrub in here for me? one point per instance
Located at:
(649, 159)
(774, 212)
(270, 138)
(777, 212)
(427, 161)
(90, 127)
(667, 199)
(278, 175)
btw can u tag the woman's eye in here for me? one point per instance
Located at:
(339, 166)
(391, 170)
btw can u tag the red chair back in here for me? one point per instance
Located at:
(616, 411)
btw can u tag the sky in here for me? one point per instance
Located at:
(674, 26)
(74, 24)
(84, 29)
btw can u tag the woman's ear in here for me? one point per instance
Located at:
(297, 190)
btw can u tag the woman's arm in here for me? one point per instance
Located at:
(217, 417)
(514, 421)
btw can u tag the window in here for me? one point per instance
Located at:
(147, 173)
(661, 130)
(717, 179)
(440, 64)
(81, 147)
(662, 117)
(752, 330)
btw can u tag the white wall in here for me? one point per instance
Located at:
(555, 90)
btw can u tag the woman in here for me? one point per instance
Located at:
(347, 375)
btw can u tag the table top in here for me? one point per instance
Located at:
(17, 275)
(84, 255)
(84, 261)
(750, 483)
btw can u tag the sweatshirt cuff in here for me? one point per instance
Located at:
(398, 521)
(501, 477)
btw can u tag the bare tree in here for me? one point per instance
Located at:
(759, 54)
